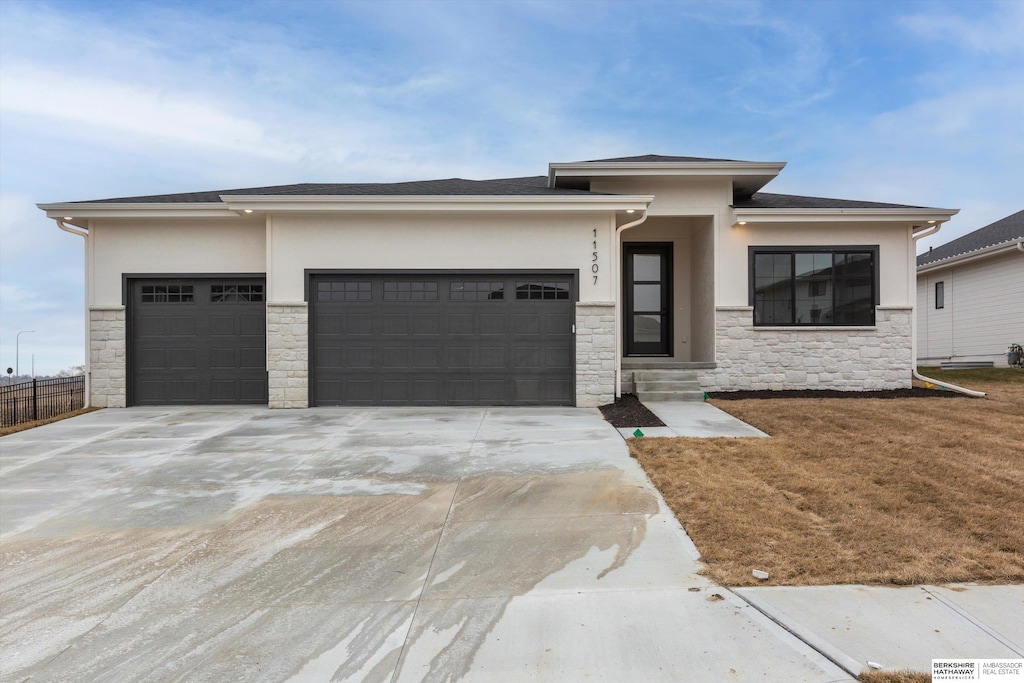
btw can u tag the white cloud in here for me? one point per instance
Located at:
(171, 117)
(998, 32)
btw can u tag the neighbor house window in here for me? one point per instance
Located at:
(814, 286)
(940, 294)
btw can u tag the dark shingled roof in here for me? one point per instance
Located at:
(655, 159)
(1009, 229)
(765, 200)
(450, 186)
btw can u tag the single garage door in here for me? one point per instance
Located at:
(197, 341)
(449, 339)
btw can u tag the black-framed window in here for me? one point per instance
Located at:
(940, 294)
(814, 285)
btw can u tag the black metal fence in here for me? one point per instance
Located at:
(40, 399)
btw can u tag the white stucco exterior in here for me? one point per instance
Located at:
(690, 206)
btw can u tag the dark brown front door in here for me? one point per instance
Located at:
(648, 298)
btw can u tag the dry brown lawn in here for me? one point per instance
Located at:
(877, 491)
(895, 676)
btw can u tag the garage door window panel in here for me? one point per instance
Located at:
(236, 293)
(405, 290)
(344, 291)
(476, 291)
(542, 291)
(168, 294)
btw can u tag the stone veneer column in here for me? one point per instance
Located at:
(595, 354)
(846, 358)
(288, 355)
(107, 357)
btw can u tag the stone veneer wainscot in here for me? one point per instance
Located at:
(595, 354)
(843, 358)
(288, 355)
(107, 357)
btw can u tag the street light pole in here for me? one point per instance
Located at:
(17, 351)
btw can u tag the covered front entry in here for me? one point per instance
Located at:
(197, 341)
(648, 299)
(442, 338)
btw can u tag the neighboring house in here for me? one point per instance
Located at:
(970, 295)
(558, 289)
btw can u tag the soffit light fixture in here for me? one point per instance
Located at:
(247, 210)
(67, 218)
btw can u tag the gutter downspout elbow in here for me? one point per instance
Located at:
(617, 251)
(952, 387)
(72, 230)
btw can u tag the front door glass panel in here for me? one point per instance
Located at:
(647, 289)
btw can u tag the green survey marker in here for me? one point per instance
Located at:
(638, 433)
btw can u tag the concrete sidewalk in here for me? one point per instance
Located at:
(693, 418)
(899, 628)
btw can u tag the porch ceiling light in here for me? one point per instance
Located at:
(630, 210)
(741, 222)
(931, 222)
(67, 218)
(247, 210)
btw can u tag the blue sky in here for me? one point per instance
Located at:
(912, 102)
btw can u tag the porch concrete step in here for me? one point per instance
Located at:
(634, 363)
(667, 385)
(646, 396)
(663, 375)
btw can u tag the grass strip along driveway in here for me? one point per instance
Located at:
(874, 491)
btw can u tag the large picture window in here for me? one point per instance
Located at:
(814, 286)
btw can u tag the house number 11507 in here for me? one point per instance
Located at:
(593, 266)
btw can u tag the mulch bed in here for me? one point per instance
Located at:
(628, 411)
(916, 392)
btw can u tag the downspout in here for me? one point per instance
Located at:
(84, 234)
(913, 324)
(617, 283)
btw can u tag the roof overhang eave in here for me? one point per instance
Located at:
(654, 168)
(880, 215)
(747, 176)
(977, 254)
(233, 206)
(78, 213)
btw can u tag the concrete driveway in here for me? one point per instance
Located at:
(497, 544)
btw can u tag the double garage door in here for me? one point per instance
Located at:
(448, 339)
(390, 339)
